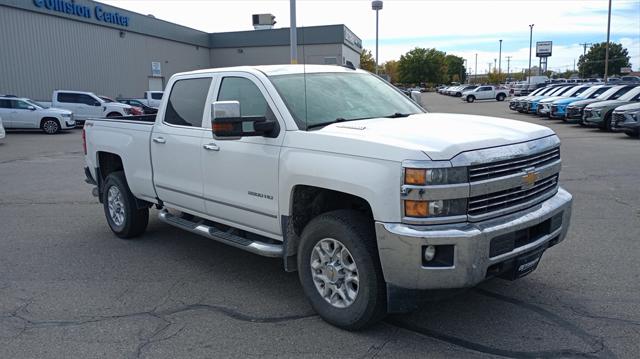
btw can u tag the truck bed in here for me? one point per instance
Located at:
(129, 138)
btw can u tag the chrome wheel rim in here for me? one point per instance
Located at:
(116, 206)
(50, 127)
(334, 273)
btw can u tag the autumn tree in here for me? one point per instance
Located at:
(367, 62)
(391, 70)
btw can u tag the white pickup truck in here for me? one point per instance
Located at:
(485, 93)
(152, 98)
(351, 183)
(86, 105)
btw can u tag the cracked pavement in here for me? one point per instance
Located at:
(69, 288)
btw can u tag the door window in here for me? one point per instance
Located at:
(156, 95)
(5, 104)
(21, 105)
(252, 103)
(186, 102)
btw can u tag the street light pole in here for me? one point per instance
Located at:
(508, 68)
(500, 59)
(293, 35)
(475, 77)
(377, 6)
(530, 44)
(606, 54)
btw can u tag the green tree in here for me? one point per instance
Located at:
(391, 69)
(422, 66)
(592, 63)
(496, 78)
(455, 69)
(367, 62)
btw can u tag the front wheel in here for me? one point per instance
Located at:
(634, 134)
(125, 219)
(339, 269)
(470, 99)
(50, 126)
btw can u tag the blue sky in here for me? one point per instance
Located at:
(461, 27)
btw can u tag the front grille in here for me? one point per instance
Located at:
(618, 118)
(487, 203)
(573, 112)
(554, 109)
(487, 171)
(587, 113)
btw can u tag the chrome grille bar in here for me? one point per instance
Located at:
(504, 199)
(503, 168)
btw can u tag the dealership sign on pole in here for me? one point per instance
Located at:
(543, 48)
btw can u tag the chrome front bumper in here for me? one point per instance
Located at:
(401, 246)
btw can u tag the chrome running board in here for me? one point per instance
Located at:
(260, 248)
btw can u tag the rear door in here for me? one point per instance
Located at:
(241, 176)
(6, 113)
(176, 144)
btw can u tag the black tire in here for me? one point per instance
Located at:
(634, 134)
(458, 94)
(114, 114)
(500, 97)
(606, 123)
(50, 126)
(470, 99)
(135, 219)
(357, 235)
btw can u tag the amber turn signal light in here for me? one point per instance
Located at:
(415, 176)
(416, 208)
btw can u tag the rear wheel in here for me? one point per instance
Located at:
(50, 126)
(500, 97)
(125, 219)
(470, 99)
(340, 270)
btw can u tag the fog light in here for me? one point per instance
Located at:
(429, 253)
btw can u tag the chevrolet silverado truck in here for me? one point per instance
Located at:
(341, 176)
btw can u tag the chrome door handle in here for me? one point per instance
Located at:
(211, 147)
(159, 140)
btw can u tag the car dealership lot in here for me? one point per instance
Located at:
(69, 288)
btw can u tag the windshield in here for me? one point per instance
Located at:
(35, 104)
(576, 91)
(106, 99)
(315, 99)
(630, 95)
(605, 95)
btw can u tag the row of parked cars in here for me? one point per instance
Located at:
(610, 107)
(70, 109)
(471, 93)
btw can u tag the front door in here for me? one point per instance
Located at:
(241, 176)
(23, 115)
(176, 145)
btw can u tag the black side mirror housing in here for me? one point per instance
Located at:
(227, 124)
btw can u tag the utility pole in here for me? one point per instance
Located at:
(475, 77)
(508, 68)
(530, 44)
(489, 68)
(500, 58)
(293, 35)
(584, 53)
(606, 54)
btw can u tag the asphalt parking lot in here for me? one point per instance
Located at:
(69, 288)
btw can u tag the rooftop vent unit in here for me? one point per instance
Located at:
(263, 21)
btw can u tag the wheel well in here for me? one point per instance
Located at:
(108, 163)
(307, 202)
(48, 118)
(112, 113)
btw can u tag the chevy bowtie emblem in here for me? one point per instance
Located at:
(530, 178)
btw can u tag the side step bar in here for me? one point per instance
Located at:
(260, 248)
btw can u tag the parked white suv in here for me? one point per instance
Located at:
(85, 105)
(19, 112)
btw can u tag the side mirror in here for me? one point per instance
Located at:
(96, 103)
(227, 124)
(31, 108)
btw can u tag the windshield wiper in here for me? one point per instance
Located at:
(398, 114)
(322, 124)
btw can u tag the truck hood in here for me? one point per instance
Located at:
(116, 105)
(607, 103)
(551, 99)
(438, 135)
(566, 100)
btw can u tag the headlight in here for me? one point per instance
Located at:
(68, 115)
(435, 176)
(597, 112)
(435, 208)
(635, 115)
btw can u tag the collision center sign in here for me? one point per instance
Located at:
(543, 48)
(72, 8)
